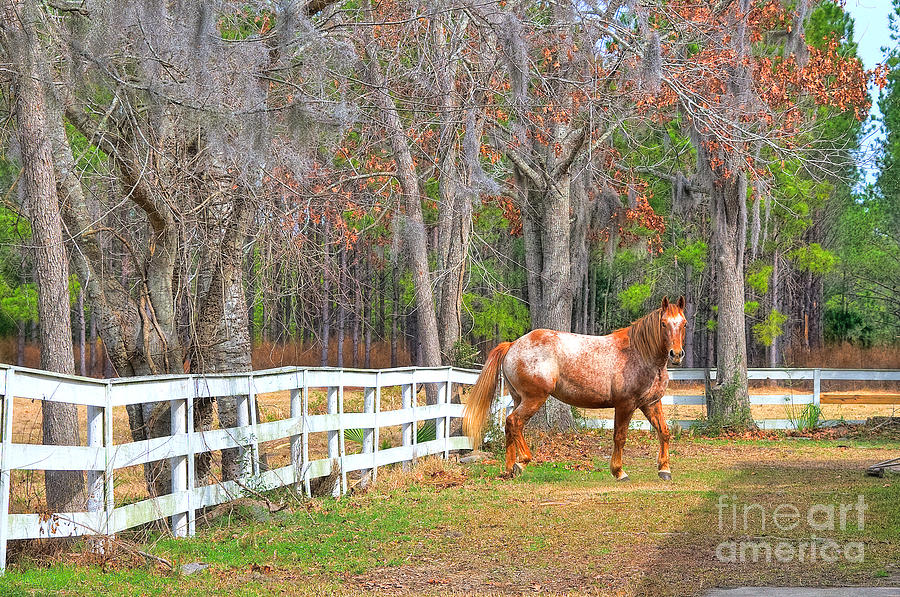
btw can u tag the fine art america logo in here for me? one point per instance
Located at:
(816, 523)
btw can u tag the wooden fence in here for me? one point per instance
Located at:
(100, 458)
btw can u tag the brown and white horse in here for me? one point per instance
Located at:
(625, 370)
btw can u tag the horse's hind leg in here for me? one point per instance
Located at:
(654, 414)
(525, 411)
(515, 439)
(511, 444)
(623, 418)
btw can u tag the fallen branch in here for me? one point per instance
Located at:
(150, 556)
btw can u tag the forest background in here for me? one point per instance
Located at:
(210, 187)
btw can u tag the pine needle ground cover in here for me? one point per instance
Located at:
(563, 527)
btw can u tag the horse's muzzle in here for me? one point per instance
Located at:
(676, 358)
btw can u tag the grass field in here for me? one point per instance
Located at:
(563, 527)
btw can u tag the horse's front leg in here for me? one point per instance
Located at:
(623, 419)
(654, 414)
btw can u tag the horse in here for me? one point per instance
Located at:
(625, 370)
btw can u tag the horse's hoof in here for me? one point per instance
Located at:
(665, 475)
(517, 470)
(623, 479)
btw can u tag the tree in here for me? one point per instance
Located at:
(19, 38)
(553, 118)
(744, 92)
(413, 222)
(188, 106)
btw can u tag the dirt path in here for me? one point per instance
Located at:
(565, 528)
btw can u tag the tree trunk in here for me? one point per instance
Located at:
(454, 277)
(94, 359)
(729, 402)
(326, 299)
(773, 348)
(395, 314)
(413, 223)
(548, 242)
(367, 313)
(223, 339)
(367, 326)
(140, 334)
(357, 313)
(724, 174)
(60, 421)
(341, 293)
(459, 170)
(531, 226)
(690, 312)
(20, 344)
(79, 305)
(381, 323)
(592, 282)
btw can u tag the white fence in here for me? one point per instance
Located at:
(790, 400)
(101, 457)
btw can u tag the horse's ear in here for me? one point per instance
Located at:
(665, 303)
(681, 302)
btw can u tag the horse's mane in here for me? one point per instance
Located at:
(646, 335)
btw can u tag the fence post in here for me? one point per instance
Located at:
(297, 460)
(178, 410)
(377, 437)
(342, 441)
(817, 387)
(448, 398)
(415, 422)
(110, 500)
(254, 436)
(6, 430)
(95, 477)
(439, 429)
(305, 438)
(368, 446)
(191, 459)
(242, 420)
(334, 448)
(406, 391)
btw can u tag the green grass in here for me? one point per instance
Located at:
(561, 529)
(346, 536)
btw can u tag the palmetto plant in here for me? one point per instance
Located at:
(426, 433)
(354, 436)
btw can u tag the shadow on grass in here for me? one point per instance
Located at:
(770, 523)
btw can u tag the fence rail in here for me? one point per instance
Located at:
(101, 457)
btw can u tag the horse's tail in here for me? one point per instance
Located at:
(481, 396)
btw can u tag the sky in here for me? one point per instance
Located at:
(870, 31)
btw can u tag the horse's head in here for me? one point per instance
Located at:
(673, 324)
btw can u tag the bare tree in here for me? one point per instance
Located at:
(193, 126)
(19, 37)
(413, 223)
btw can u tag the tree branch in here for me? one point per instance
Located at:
(314, 7)
(572, 144)
(522, 165)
